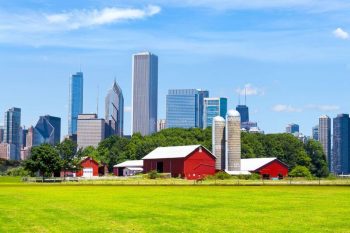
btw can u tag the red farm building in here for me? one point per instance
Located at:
(268, 168)
(191, 162)
(90, 168)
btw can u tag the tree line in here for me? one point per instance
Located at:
(113, 150)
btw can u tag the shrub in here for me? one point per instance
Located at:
(222, 176)
(153, 174)
(17, 171)
(300, 171)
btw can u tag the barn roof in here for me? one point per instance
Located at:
(130, 163)
(172, 152)
(255, 164)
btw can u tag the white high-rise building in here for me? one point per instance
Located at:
(324, 136)
(144, 93)
(91, 130)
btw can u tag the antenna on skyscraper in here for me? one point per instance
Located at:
(97, 99)
(245, 96)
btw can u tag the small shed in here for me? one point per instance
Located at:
(89, 168)
(128, 168)
(268, 168)
(191, 162)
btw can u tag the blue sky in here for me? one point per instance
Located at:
(291, 55)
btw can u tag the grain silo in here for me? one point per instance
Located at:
(233, 141)
(218, 137)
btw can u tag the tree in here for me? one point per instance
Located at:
(43, 159)
(68, 154)
(318, 166)
(300, 171)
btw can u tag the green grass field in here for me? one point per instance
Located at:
(74, 208)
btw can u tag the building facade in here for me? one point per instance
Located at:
(144, 93)
(161, 124)
(292, 128)
(213, 107)
(315, 132)
(185, 108)
(244, 112)
(7, 151)
(114, 111)
(325, 138)
(91, 130)
(2, 134)
(12, 130)
(76, 92)
(47, 130)
(340, 159)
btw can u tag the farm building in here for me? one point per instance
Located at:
(268, 168)
(89, 166)
(128, 168)
(193, 162)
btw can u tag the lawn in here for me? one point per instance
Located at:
(60, 208)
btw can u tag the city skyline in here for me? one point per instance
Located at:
(267, 56)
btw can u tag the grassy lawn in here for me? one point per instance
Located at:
(59, 208)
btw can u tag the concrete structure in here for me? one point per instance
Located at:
(213, 107)
(89, 168)
(91, 130)
(192, 162)
(144, 93)
(7, 151)
(12, 130)
(268, 168)
(75, 106)
(218, 142)
(30, 137)
(47, 130)
(114, 111)
(185, 108)
(324, 136)
(292, 128)
(233, 141)
(25, 153)
(161, 124)
(340, 162)
(128, 168)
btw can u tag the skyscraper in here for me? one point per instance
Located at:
(324, 137)
(315, 132)
(292, 128)
(340, 160)
(91, 130)
(144, 93)
(76, 92)
(12, 128)
(47, 130)
(213, 107)
(2, 134)
(244, 112)
(185, 108)
(114, 109)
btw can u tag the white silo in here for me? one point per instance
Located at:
(218, 137)
(233, 141)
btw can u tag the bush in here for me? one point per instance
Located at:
(300, 171)
(153, 175)
(17, 171)
(222, 176)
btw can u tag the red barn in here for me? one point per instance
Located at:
(268, 168)
(89, 168)
(191, 162)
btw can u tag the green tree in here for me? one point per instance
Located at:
(44, 159)
(318, 166)
(68, 153)
(300, 171)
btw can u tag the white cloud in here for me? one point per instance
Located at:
(341, 34)
(249, 89)
(323, 108)
(285, 108)
(75, 19)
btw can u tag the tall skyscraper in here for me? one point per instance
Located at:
(76, 92)
(292, 128)
(114, 109)
(185, 108)
(213, 107)
(324, 137)
(47, 130)
(244, 112)
(12, 130)
(2, 134)
(340, 160)
(144, 93)
(91, 130)
(315, 132)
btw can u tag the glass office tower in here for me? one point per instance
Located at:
(47, 130)
(76, 92)
(144, 93)
(114, 111)
(12, 130)
(185, 108)
(244, 112)
(213, 107)
(340, 160)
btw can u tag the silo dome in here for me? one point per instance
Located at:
(218, 137)
(233, 113)
(218, 119)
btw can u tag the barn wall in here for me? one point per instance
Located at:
(88, 163)
(199, 164)
(274, 169)
(173, 166)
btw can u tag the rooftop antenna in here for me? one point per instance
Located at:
(97, 99)
(239, 98)
(245, 96)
